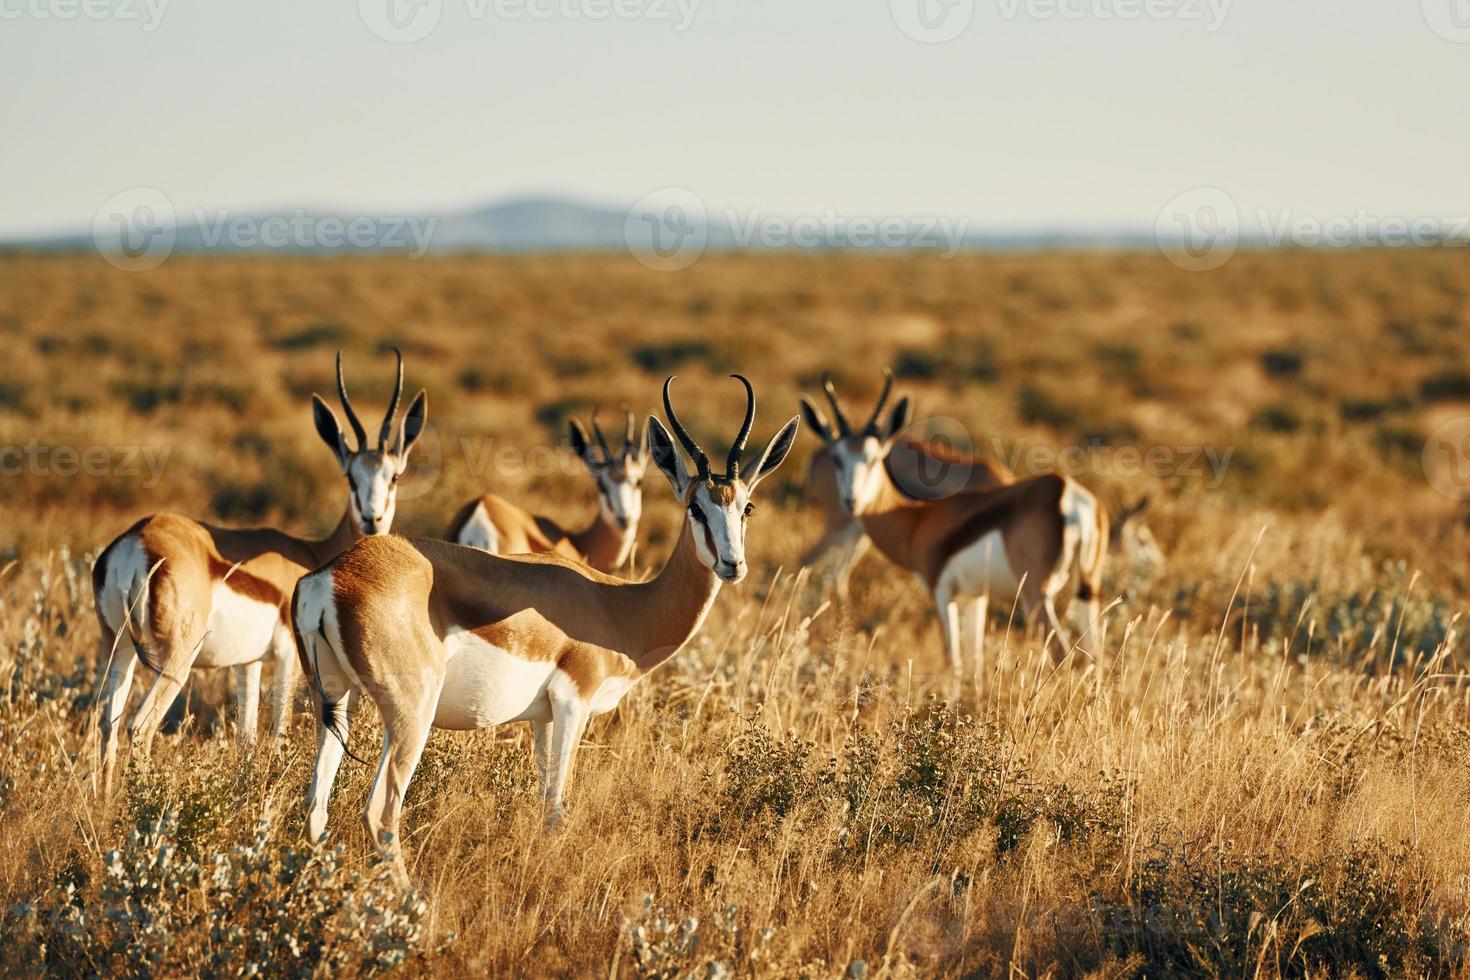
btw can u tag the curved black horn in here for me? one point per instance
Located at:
(842, 426)
(872, 427)
(701, 460)
(607, 455)
(630, 427)
(347, 407)
(737, 448)
(387, 430)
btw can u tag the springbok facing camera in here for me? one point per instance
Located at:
(1041, 538)
(179, 594)
(842, 533)
(438, 635)
(494, 524)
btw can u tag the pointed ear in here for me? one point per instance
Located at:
(329, 430)
(666, 457)
(775, 452)
(899, 420)
(413, 425)
(816, 419)
(578, 437)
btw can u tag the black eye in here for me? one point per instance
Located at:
(749, 509)
(395, 478)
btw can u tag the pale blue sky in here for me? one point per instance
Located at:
(785, 105)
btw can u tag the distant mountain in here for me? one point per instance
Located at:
(524, 224)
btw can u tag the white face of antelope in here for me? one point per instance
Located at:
(859, 461)
(717, 506)
(620, 494)
(372, 474)
(372, 486)
(717, 513)
(619, 475)
(858, 455)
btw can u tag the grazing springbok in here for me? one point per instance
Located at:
(912, 465)
(438, 635)
(494, 524)
(923, 469)
(1137, 548)
(178, 594)
(1041, 539)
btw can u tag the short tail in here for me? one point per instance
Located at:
(134, 597)
(307, 625)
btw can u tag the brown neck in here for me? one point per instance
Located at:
(890, 518)
(606, 548)
(344, 536)
(664, 613)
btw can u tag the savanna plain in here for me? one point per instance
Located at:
(1258, 766)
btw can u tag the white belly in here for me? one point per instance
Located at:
(485, 685)
(981, 569)
(239, 630)
(478, 532)
(607, 696)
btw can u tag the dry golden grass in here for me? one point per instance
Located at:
(1262, 772)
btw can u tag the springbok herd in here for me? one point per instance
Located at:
(455, 634)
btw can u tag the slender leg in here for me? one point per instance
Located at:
(404, 737)
(853, 544)
(247, 701)
(330, 745)
(166, 687)
(569, 718)
(115, 690)
(975, 633)
(949, 622)
(1041, 614)
(283, 684)
(541, 748)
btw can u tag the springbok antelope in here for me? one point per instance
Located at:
(178, 594)
(439, 635)
(910, 466)
(1135, 544)
(1041, 538)
(494, 524)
